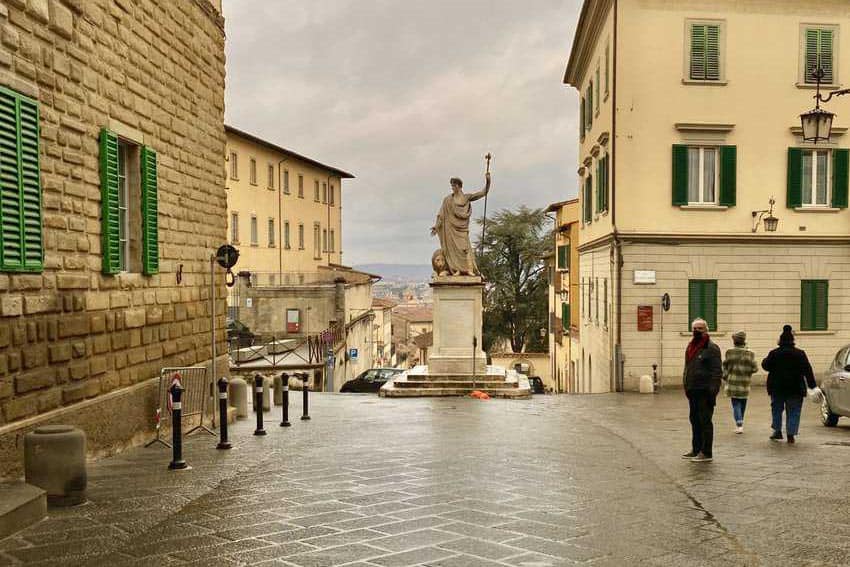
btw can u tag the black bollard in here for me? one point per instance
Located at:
(258, 399)
(305, 404)
(222, 414)
(284, 382)
(177, 462)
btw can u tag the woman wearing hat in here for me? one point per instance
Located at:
(788, 374)
(739, 365)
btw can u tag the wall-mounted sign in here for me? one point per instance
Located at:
(249, 302)
(293, 321)
(644, 277)
(644, 317)
(352, 354)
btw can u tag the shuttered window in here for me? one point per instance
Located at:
(705, 52)
(596, 94)
(605, 302)
(704, 175)
(588, 198)
(564, 257)
(819, 43)
(581, 120)
(286, 181)
(254, 235)
(21, 248)
(702, 302)
(271, 233)
(252, 172)
(818, 178)
(588, 114)
(814, 305)
(565, 316)
(118, 200)
(602, 184)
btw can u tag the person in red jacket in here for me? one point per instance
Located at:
(788, 374)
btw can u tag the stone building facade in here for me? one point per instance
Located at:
(111, 137)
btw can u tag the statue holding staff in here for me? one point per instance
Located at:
(456, 256)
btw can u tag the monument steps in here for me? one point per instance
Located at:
(505, 392)
(433, 382)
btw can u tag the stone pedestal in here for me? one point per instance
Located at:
(457, 320)
(55, 461)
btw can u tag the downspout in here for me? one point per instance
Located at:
(618, 250)
(328, 207)
(280, 242)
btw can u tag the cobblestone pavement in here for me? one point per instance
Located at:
(551, 481)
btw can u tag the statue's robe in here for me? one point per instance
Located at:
(453, 229)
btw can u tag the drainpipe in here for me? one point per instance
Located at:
(280, 222)
(618, 248)
(328, 207)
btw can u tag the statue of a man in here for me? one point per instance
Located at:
(452, 227)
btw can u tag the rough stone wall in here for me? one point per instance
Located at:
(71, 333)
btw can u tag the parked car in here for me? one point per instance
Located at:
(836, 389)
(369, 381)
(240, 332)
(536, 385)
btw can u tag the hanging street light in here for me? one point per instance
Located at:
(771, 223)
(817, 123)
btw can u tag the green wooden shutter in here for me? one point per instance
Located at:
(794, 193)
(562, 257)
(840, 178)
(812, 41)
(565, 316)
(814, 305)
(150, 227)
(581, 119)
(806, 303)
(728, 175)
(821, 307)
(697, 52)
(598, 186)
(819, 53)
(21, 247)
(712, 53)
(109, 202)
(588, 196)
(825, 55)
(702, 302)
(606, 170)
(589, 113)
(680, 174)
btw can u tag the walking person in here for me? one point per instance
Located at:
(788, 374)
(703, 371)
(739, 365)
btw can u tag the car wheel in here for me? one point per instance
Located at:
(828, 418)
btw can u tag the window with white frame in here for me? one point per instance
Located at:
(123, 211)
(286, 181)
(254, 236)
(234, 228)
(286, 235)
(271, 233)
(817, 167)
(301, 236)
(819, 50)
(234, 166)
(252, 177)
(702, 175)
(271, 177)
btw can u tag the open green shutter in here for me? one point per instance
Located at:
(806, 303)
(680, 174)
(562, 257)
(109, 202)
(581, 119)
(30, 186)
(710, 304)
(728, 175)
(794, 196)
(150, 236)
(840, 177)
(598, 186)
(821, 307)
(565, 315)
(21, 247)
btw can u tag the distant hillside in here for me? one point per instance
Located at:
(398, 272)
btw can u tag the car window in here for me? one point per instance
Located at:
(371, 375)
(841, 358)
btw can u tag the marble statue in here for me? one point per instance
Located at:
(456, 256)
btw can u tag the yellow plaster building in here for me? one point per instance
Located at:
(689, 126)
(564, 319)
(284, 210)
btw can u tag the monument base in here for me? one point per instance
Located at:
(456, 349)
(421, 381)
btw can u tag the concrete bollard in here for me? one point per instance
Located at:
(646, 384)
(267, 393)
(238, 394)
(278, 391)
(55, 461)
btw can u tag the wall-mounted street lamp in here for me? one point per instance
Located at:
(817, 123)
(771, 223)
(564, 295)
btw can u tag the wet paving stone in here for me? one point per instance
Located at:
(546, 482)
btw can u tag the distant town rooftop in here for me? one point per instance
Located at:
(242, 134)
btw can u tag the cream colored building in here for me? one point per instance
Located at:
(690, 125)
(284, 210)
(564, 321)
(382, 332)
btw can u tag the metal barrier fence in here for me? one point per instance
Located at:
(195, 393)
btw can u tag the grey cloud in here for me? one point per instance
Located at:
(406, 94)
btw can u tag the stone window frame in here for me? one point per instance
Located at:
(300, 186)
(234, 166)
(286, 242)
(252, 172)
(234, 227)
(316, 195)
(317, 241)
(802, 83)
(271, 228)
(255, 231)
(270, 183)
(301, 236)
(286, 181)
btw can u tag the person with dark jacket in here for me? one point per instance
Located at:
(703, 371)
(788, 374)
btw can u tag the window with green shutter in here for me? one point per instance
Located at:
(818, 46)
(588, 114)
(588, 199)
(581, 119)
(129, 206)
(565, 316)
(818, 178)
(702, 302)
(564, 257)
(705, 52)
(814, 305)
(596, 94)
(705, 175)
(21, 248)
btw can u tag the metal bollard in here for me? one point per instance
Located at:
(655, 385)
(305, 405)
(258, 397)
(284, 383)
(177, 462)
(222, 414)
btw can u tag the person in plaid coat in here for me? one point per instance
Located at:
(739, 365)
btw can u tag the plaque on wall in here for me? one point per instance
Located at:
(644, 317)
(644, 277)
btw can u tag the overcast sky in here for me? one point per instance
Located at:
(405, 94)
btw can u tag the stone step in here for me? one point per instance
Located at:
(456, 377)
(21, 505)
(477, 385)
(438, 392)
